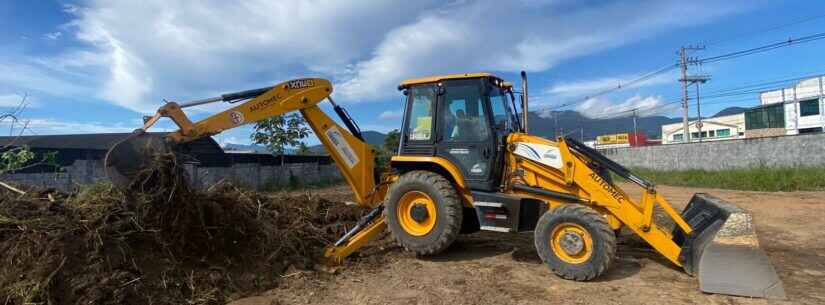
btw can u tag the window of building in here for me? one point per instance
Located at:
(712, 133)
(810, 130)
(678, 137)
(809, 107)
(772, 116)
(695, 135)
(723, 133)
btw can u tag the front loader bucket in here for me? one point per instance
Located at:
(723, 250)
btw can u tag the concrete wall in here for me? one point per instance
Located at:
(251, 175)
(783, 151)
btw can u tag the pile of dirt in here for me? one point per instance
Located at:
(161, 243)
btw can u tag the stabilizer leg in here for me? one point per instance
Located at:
(365, 231)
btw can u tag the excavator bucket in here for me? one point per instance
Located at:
(723, 251)
(126, 158)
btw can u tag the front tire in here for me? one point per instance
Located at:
(575, 241)
(423, 212)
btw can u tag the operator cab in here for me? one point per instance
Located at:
(463, 118)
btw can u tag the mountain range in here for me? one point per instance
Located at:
(576, 125)
(548, 125)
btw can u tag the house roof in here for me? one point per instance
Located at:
(94, 141)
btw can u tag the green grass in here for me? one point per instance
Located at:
(756, 179)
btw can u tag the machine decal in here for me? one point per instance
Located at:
(607, 187)
(236, 117)
(265, 103)
(459, 151)
(341, 146)
(478, 168)
(544, 154)
(301, 83)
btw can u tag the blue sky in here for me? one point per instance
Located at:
(99, 66)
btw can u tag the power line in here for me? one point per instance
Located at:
(738, 37)
(620, 86)
(738, 90)
(761, 49)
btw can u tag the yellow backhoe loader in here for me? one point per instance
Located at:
(466, 162)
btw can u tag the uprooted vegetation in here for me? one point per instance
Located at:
(162, 243)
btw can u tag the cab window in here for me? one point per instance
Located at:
(420, 124)
(502, 116)
(463, 112)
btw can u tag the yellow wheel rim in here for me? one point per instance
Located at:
(571, 243)
(416, 200)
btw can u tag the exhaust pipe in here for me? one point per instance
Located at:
(524, 99)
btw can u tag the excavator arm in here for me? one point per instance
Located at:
(351, 154)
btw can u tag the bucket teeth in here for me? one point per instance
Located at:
(724, 251)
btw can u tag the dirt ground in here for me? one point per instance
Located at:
(496, 268)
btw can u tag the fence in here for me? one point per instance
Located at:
(780, 151)
(254, 171)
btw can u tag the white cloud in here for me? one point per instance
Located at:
(14, 100)
(53, 35)
(591, 86)
(390, 115)
(480, 35)
(180, 50)
(603, 108)
(55, 126)
(37, 78)
(134, 53)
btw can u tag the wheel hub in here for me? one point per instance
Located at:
(572, 243)
(419, 213)
(416, 213)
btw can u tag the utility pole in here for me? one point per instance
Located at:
(698, 112)
(635, 139)
(683, 80)
(686, 80)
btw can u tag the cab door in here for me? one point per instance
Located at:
(464, 135)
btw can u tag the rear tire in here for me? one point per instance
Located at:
(423, 236)
(575, 241)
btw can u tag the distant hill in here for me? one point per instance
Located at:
(576, 125)
(373, 137)
(230, 147)
(573, 123)
(730, 111)
(370, 136)
(570, 122)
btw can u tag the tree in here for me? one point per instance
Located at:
(387, 150)
(279, 132)
(391, 141)
(303, 149)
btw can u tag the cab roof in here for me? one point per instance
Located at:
(438, 78)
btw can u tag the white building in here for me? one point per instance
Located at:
(802, 106)
(712, 129)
